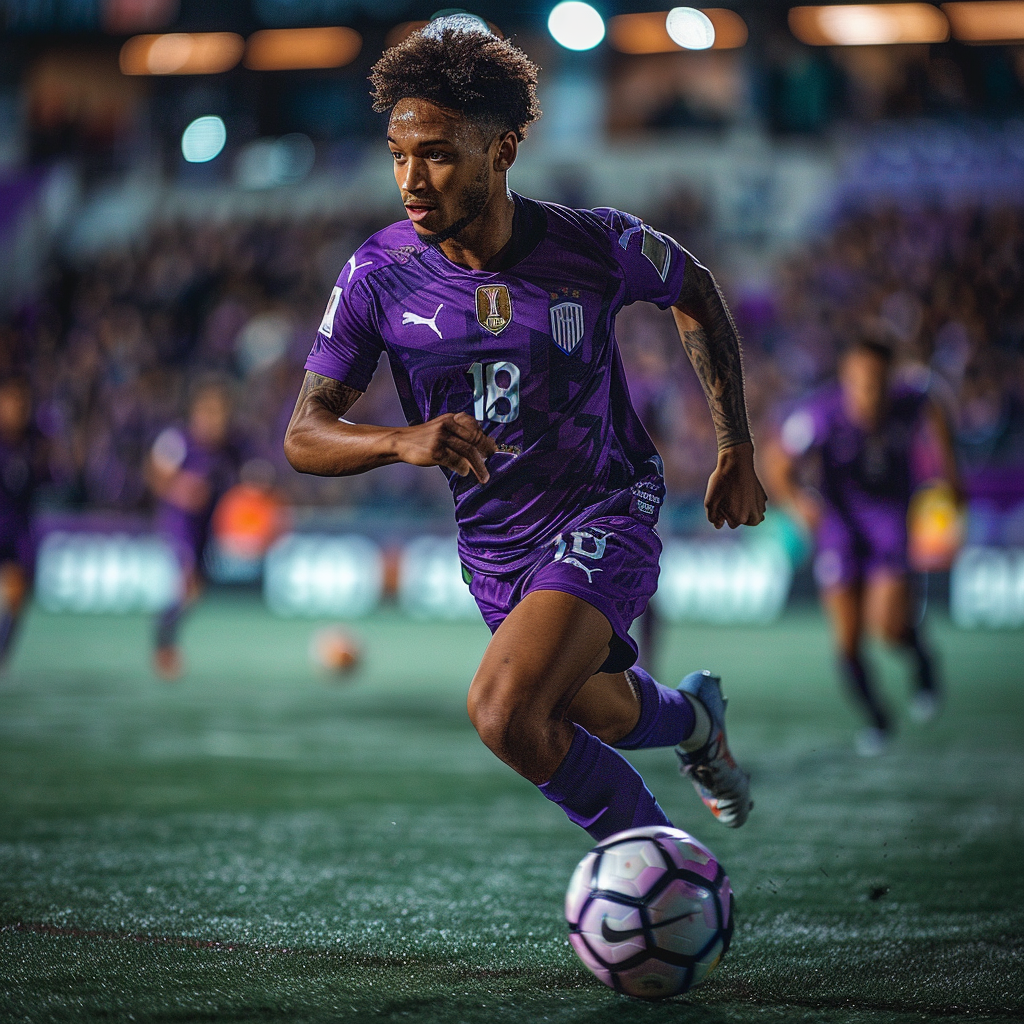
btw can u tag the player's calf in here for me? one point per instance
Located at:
(593, 784)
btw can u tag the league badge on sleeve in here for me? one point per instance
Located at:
(493, 307)
(327, 324)
(653, 246)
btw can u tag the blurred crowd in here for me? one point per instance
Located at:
(114, 347)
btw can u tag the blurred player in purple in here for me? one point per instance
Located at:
(19, 479)
(497, 316)
(862, 430)
(189, 469)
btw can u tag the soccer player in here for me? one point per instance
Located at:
(497, 315)
(19, 480)
(862, 430)
(188, 470)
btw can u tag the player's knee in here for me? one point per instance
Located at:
(893, 634)
(849, 647)
(508, 726)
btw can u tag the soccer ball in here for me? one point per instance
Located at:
(650, 912)
(333, 651)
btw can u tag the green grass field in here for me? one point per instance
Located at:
(255, 844)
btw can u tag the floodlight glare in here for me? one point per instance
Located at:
(203, 139)
(576, 25)
(689, 28)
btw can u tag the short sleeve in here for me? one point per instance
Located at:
(347, 346)
(652, 263)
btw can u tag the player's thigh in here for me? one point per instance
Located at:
(887, 604)
(844, 607)
(547, 647)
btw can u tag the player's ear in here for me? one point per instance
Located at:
(506, 151)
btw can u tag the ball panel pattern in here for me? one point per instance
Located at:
(579, 887)
(653, 979)
(684, 902)
(632, 868)
(589, 960)
(650, 912)
(709, 961)
(614, 931)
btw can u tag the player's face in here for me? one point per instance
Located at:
(208, 420)
(864, 378)
(446, 168)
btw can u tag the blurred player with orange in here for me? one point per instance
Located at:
(189, 468)
(862, 430)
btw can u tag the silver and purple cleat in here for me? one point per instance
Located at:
(720, 782)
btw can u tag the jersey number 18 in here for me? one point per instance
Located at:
(495, 391)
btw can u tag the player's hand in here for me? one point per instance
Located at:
(188, 491)
(453, 440)
(808, 509)
(735, 495)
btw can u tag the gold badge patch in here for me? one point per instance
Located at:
(493, 307)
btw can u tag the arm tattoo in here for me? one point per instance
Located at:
(713, 348)
(335, 397)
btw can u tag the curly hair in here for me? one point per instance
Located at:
(487, 79)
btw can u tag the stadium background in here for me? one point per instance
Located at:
(175, 205)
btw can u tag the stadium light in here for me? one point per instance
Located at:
(181, 53)
(649, 33)
(297, 49)
(576, 25)
(689, 28)
(868, 24)
(203, 139)
(986, 21)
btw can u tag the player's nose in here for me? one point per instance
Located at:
(413, 179)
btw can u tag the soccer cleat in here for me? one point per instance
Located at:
(720, 782)
(925, 706)
(167, 664)
(871, 741)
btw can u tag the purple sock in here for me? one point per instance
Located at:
(666, 716)
(600, 790)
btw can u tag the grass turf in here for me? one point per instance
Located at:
(255, 844)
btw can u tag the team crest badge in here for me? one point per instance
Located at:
(493, 307)
(567, 325)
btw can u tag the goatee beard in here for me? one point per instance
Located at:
(474, 203)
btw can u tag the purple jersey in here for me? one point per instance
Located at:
(529, 351)
(866, 483)
(858, 468)
(188, 531)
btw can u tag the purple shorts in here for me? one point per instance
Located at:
(852, 548)
(185, 533)
(611, 562)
